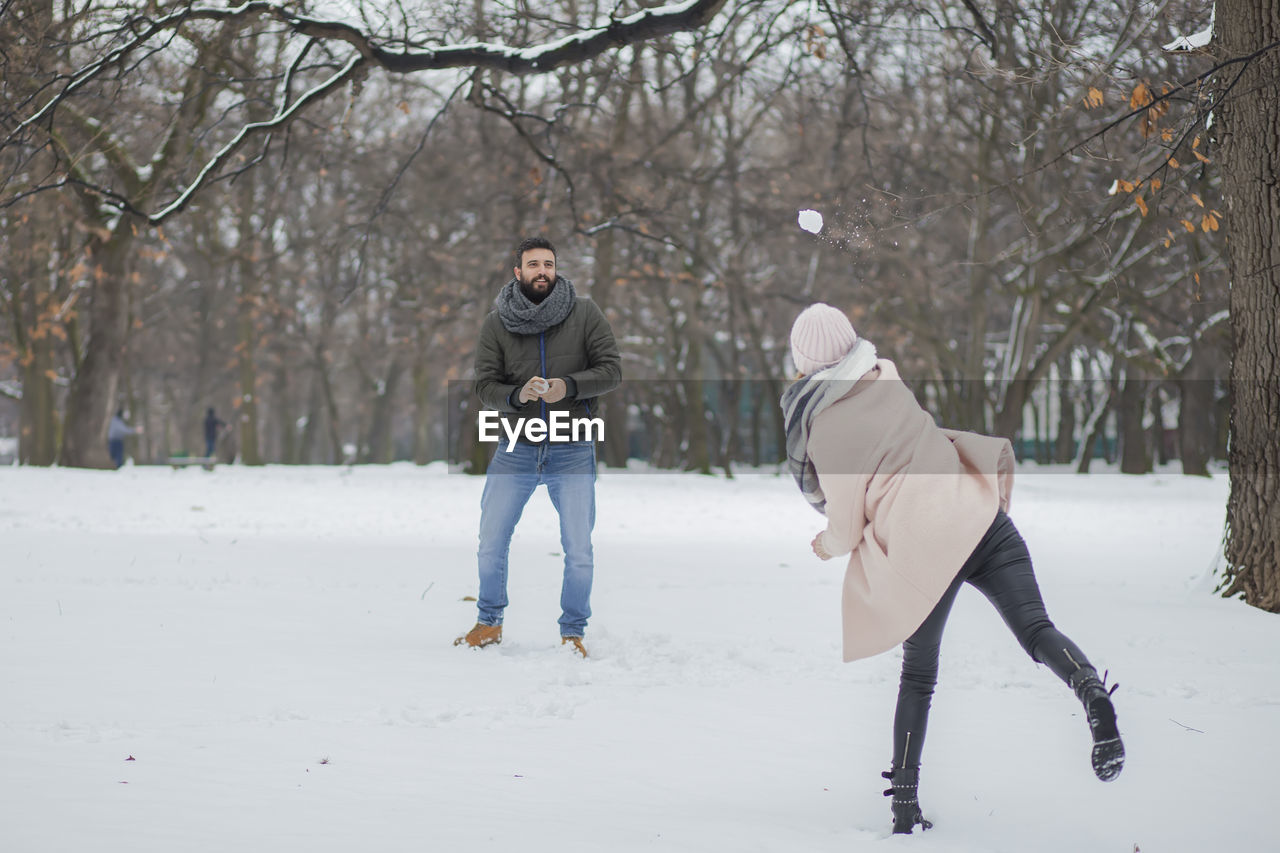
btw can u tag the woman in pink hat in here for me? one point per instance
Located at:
(919, 510)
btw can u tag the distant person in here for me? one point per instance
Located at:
(920, 511)
(213, 426)
(117, 432)
(541, 349)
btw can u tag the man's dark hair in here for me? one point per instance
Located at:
(532, 243)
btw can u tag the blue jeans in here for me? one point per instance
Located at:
(116, 448)
(569, 471)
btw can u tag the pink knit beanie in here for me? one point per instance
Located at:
(820, 337)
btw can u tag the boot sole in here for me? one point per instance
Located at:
(1107, 756)
(462, 641)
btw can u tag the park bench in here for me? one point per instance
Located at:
(205, 462)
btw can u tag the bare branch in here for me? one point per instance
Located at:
(369, 52)
(983, 27)
(577, 48)
(283, 116)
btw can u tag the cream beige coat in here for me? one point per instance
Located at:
(906, 500)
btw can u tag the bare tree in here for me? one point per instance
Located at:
(63, 112)
(1247, 111)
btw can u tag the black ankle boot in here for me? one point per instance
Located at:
(906, 804)
(1108, 751)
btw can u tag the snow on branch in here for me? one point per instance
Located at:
(369, 51)
(1194, 42)
(579, 47)
(284, 114)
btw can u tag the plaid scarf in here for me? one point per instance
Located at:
(802, 402)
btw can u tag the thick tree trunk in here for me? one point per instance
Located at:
(1131, 411)
(1246, 118)
(38, 419)
(1064, 446)
(1195, 415)
(1013, 410)
(93, 390)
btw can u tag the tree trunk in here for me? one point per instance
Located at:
(337, 455)
(1095, 426)
(1064, 446)
(1012, 413)
(311, 428)
(1246, 119)
(475, 454)
(1131, 410)
(285, 426)
(380, 448)
(698, 457)
(92, 399)
(613, 408)
(422, 384)
(973, 385)
(755, 406)
(1195, 415)
(247, 301)
(38, 419)
(770, 391)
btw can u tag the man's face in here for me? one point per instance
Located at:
(537, 272)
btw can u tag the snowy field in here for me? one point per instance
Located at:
(262, 660)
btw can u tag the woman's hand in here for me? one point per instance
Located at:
(819, 549)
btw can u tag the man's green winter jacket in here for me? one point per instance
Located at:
(580, 350)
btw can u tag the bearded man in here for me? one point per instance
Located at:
(542, 349)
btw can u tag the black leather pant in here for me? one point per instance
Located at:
(1000, 568)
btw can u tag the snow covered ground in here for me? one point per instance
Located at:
(261, 659)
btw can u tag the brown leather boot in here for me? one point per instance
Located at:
(480, 636)
(577, 644)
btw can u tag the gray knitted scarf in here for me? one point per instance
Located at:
(521, 316)
(802, 402)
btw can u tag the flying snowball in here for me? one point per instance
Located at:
(810, 220)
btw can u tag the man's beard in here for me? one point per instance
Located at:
(536, 296)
